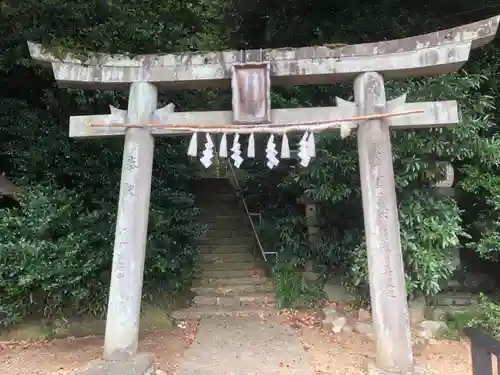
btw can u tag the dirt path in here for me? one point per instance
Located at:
(251, 345)
(349, 353)
(329, 354)
(61, 357)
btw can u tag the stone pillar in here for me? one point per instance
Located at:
(385, 260)
(443, 189)
(125, 294)
(313, 230)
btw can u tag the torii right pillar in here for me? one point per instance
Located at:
(385, 261)
(380, 212)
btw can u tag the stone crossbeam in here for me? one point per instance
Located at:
(436, 114)
(430, 54)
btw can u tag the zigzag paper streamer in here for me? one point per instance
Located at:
(208, 153)
(236, 151)
(271, 153)
(303, 154)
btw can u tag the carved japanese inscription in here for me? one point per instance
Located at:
(376, 155)
(251, 91)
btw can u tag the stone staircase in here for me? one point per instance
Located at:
(231, 280)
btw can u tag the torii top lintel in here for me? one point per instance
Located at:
(435, 53)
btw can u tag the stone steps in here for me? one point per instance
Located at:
(222, 210)
(215, 232)
(230, 274)
(229, 266)
(227, 241)
(194, 313)
(214, 188)
(227, 225)
(230, 281)
(248, 298)
(222, 186)
(216, 197)
(226, 257)
(222, 218)
(231, 289)
(226, 249)
(235, 226)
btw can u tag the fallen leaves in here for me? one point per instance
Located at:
(25, 344)
(189, 331)
(302, 319)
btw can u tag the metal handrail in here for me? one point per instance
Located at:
(249, 214)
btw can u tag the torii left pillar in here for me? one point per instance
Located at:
(125, 294)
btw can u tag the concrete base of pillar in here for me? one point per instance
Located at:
(141, 364)
(374, 370)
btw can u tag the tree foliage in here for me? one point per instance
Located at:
(430, 226)
(56, 245)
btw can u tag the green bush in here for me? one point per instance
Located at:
(55, 254)
(430, 227)
(487, 317)
(48, 257)
(293, 289)
(171, 250)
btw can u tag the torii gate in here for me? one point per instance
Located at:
(368, 64)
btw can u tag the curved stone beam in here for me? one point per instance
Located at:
(435, 53)
(186, 74)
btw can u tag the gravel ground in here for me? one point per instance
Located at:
(350, 353)
(249, 345)
(62, 357)
(346, 353)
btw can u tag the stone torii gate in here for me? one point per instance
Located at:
(367, 64)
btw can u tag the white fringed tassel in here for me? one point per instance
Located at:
(271, 153)
(251, 146)
(303, 153)
(236, 151)
(223, 146)
(193, 146)
(285, 147)
(311, 145)
(208, 153)
(345, 131)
